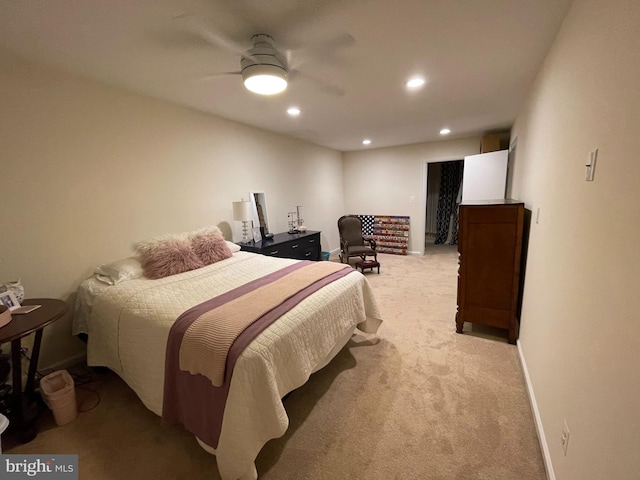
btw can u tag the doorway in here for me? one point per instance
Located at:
(444, 182)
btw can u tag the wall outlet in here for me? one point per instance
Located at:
(564, 439)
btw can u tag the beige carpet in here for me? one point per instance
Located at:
(417, 401)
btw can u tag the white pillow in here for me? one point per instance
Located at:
(119, 271)
(234, 247)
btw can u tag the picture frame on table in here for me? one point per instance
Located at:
(9, 300)
(257, 236)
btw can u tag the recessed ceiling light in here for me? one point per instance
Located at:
(366, 141)
(293, 111)
(445, 131)
(415, 82)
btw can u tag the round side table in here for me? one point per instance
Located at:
(23, 418)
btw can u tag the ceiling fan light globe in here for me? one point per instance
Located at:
(264, 79)
(265, 84)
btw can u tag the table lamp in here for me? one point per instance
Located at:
(242, 213)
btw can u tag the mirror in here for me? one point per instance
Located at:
(259, 212)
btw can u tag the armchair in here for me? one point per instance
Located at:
(352, 243)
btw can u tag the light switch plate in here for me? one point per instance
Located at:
(591, 165)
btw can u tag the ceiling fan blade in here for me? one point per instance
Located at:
(287, 56)
(220, 74)
(322, 50)
(319, 84)
(331, 45)
(213, 37)
(184, 39)
(289, 19)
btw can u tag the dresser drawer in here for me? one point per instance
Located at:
(274, 251)
(311, 253)
(306, 248)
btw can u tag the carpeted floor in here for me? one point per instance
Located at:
(416, 401)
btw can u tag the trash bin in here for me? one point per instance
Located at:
(59, 393)
(325, 256)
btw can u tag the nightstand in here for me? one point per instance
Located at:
(23, 412)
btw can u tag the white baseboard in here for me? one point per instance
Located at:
(536, 414)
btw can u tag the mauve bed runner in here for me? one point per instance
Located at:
(197, 380)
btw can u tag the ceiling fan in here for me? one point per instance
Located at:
(265, 70)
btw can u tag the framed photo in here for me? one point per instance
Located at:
(257, 236)
(8, 299)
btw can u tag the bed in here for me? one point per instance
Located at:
(128, 326)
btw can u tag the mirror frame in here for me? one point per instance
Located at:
(258, 197)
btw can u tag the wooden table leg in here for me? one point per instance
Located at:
(25, 429)
(33, 364)
(16, 369)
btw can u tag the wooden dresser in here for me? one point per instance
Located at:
(490, 239)
(301, 246)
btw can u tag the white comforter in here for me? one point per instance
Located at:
(129, 323)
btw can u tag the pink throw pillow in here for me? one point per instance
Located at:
(210, 246)
(168, 257)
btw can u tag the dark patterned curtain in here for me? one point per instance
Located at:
(450, 179)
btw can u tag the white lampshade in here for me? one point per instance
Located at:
(265, 79)
(242, 211)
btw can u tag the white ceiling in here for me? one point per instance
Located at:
(479, 58)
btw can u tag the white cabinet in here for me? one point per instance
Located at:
(485, 176)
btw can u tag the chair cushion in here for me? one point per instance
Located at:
(360, 250)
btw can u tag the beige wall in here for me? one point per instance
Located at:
(382, 181)
(579, 333)
(87, 170)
